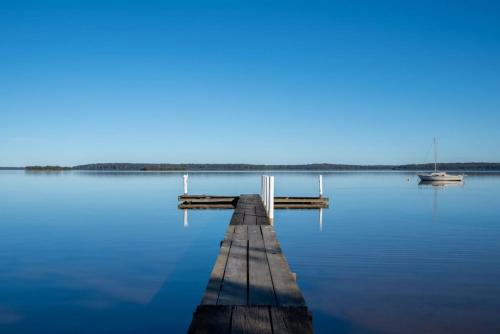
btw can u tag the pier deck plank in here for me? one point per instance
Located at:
(234, 283)
(251, 287)
(260, 285)
(285, 286)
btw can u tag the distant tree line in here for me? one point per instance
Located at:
(467, 166)
(46, 168)
(462, 166)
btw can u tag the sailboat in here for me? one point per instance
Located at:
(439, 176)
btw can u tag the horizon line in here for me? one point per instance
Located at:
(252, 164)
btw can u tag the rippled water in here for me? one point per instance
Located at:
(84, 252)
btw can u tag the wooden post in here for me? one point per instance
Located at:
(185, 178)
(321, 186)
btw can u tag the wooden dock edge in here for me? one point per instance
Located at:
(209, 319)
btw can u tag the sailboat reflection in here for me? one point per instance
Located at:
(439, 185)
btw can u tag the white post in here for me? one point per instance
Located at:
(268, 194)
(185, 178)
(265, 191)
(266, 199)
(321, 186)
(271, 198)
(261, 181)
(185, 218)
(262, 187)
(268, 182)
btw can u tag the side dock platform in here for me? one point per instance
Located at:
(230, 202)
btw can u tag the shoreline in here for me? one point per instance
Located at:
(495, 171)
(463, 167)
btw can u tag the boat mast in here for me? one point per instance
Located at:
(435, 155)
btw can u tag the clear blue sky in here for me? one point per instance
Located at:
(248, 81)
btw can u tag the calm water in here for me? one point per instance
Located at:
(109, 252)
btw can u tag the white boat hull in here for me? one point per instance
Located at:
(446, 177)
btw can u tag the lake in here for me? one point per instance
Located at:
(98, 252)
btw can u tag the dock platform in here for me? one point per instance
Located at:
(230, 202)
(251, 287)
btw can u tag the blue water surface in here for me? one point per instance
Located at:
(99, 252)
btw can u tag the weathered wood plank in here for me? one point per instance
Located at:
(208, 199)
(211, 319)
(280, 206)
(203, 197)
(260, 285)
(250, 220)
(291, 320)
(216, 277)
(205, 206)
(251, 320)
(262, 220)
(215, 281)
(260, 205)
(240, 232)
(261, 213)
(301, 199)
(212, 291)
(246, 212)
(235, 284)
(237, 218)
(228, 236)
(285, 287)
(254, 233)
(243, 203)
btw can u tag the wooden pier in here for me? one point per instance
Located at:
(230, 202)
(251, 288)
